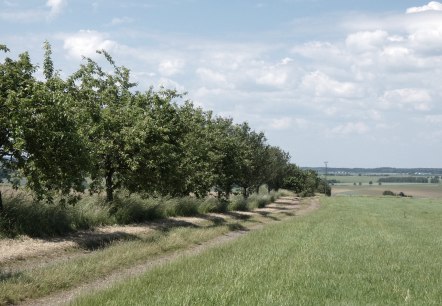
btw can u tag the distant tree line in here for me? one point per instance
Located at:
(406, 179)
(95, 131)
(378, 171)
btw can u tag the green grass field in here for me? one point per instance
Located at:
(350, 179)
(415, 190)
(353, 251)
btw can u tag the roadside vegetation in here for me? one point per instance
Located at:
(139, 155)
(91, 259)
(21, 216)
(354, 250)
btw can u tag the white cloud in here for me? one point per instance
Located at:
(433, 119)
(118, 21)
(272, 76)
(281, 123)
(169, 67)
(431, 6)
(321, 85)
(427, 40)
(22, 16)
(169, 83)
(86, 42)
(15, 13)
(366, 41)
(56, 7)
(406, 98)
(212, 77)
(321, 51)
(351, 128)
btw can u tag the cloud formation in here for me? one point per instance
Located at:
(56, 7)
(432, 6)
(86, 42)
(370, 76)
(15, 12)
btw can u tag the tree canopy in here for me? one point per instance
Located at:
(94, 130)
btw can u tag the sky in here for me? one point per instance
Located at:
(354, 83)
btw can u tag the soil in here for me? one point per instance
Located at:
(26, 253)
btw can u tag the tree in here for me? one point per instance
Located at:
(103, 110)
(155, 146)
(252, 158)
(40, 140)
(200, 156)
(276, 167)
(224, 155)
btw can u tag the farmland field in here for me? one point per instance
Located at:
(353, 251)
(414, 190)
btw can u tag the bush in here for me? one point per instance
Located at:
(22, 216)
(212, 205)
(237, 202)
(186, 206)
(388, 193)
(258, 201)
(133, 209)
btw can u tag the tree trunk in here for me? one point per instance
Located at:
(109, 186)
(245, 193)
(1, 202)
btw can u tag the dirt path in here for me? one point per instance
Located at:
(289, 206)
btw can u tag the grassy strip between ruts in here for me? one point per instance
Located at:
(353, 251)
(65, 274)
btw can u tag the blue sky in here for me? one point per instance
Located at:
(354, 83)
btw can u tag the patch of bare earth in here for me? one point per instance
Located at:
(27, 253)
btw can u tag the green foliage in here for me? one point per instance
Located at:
(324, 187)
(238, 202)
(303, 182)
(128, 210)
(258, 201)
(185, 206)
(22, 216)
(388, 193)
(213, 205)
(277, 168)
(39, 138)
(435, 180)
(56, 135)
(404, 179)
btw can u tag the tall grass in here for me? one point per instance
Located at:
(127, 250)
(22, 216)
(353, 251)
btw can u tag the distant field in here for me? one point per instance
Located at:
(350, 179)
(364, 179)
(353, 251)
(414, 190)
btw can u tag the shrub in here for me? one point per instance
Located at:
(22, 216)
(187, 206)
(388, 193)
(211, 204)
(258, 201)
(133, 209)
(91, 212)
(237, 202)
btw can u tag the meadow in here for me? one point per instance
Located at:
(413, 190)
(353, 251)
